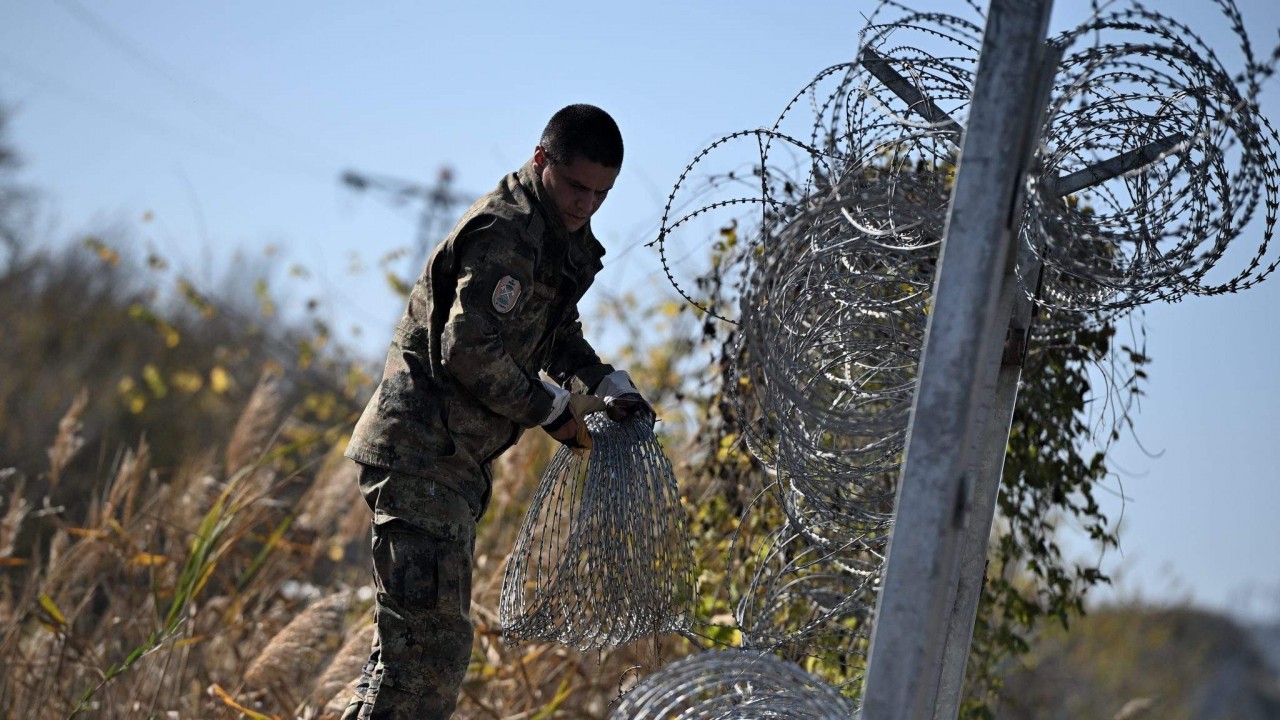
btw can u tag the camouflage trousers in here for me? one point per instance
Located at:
(422, 573)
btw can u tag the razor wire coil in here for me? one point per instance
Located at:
(835, 285)
(604, 555)
(1153, 163)
(732, 685)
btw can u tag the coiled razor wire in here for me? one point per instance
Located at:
(834, 317)
(810, 598)
(1152, 163)
(604, 555)
(1149, 88)
(732, 685)
(858, 127)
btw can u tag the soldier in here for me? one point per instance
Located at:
(496, 304)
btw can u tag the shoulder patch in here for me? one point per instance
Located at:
(505, 294)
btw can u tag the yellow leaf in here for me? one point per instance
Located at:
(231, 702)
(730, 234)
(109, 256)
(306, 353)
(336, 552)
(170, 335)
(219, 379)
(187, 381)
(190, 641)
(55, 614)
(400, 287)
(726, 449)
(17, 562)
(155, 381)
(196, 298)
(117, 528)
(393, 256)
(146, 559)
(262, 291)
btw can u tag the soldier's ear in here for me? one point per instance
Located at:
(539, 158)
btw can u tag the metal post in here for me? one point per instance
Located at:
(1114, 167)
(961, 357)
(916, 101)
(999, 399)
(990, 447)
(989, 452)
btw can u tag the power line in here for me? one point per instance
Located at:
(144, 123)
(439, 203)
(207, 98)
(150, 126)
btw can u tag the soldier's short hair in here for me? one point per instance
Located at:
(582, 131)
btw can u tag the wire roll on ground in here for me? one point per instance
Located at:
(732, 684)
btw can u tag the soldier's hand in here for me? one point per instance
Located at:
(622, 399)
(570, 428)
(625, 407)
(567, 434)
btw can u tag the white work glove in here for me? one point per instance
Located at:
(567, 422)
(621, 398)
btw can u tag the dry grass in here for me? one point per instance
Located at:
(15, 511)
(122, 493)
(336, 684)
(298, 651)
(331, 496)
(163, 590)
(69, 440)
(175, 538)
(210, 595)
(258, 423)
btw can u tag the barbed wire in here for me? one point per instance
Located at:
(832, 326)
(604, 555)
(811, 594)
(1147, 85)
(1133, 198)
(1153, 162)
(737, 684)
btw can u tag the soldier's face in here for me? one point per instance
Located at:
(578, 188)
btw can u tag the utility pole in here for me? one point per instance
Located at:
(440, 203)
(975, 346)
(959, 366)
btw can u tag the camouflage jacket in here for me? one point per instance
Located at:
(496, 303)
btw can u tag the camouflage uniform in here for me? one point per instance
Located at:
(496, 304)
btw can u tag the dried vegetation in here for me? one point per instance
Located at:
(182, 537)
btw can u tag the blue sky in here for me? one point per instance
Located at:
(206, 130)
